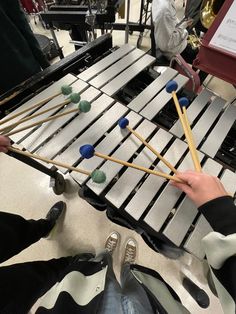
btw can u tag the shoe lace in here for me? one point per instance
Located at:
(111, 244)
(130, 253)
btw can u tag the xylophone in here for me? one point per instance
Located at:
(123, 85)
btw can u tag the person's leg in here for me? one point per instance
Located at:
(135, 299)
(16, 233)
(22, 284)
(111, 302)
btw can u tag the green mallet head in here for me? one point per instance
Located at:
(66, 89)
(98, 176)
(75, 98)
(84, 106)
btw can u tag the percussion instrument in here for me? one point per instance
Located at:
(123, 85)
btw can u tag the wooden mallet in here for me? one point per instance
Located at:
(124, 124)
(97, 176)
(87, 151)
(171, 87)
(84, 106)
(65, 90)
(184, 103)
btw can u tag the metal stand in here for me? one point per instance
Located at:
(145, 16)
(90, 20)
(127, 23)
(57, 182)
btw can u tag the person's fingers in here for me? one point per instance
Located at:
(187, 176)
(183, 187)
(3, 149)
(4, 141)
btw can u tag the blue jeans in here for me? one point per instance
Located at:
(127, 298)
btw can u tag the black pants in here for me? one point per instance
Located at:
(22, 284)
(16, 233)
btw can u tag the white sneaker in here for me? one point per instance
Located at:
(130, 251)
(112, 241)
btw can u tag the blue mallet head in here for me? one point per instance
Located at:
(184, 102)
(87, 151)
(123, 122)
(171, 86)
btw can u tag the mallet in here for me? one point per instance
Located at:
(65, 90)
(97, 176)
(184, 102)
(87, 151)
(124, 123)
(171, 88)
(84, 106)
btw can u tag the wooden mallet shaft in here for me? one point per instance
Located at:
(186, 131)
(13, 125)
(131, 165)
(172, 168)
(193, 150)
(40, 103)
(42, 121)
(171, 87)
(49, 161)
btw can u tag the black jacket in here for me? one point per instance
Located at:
(20, 54)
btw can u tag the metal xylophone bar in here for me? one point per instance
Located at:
(38, 138)
(113, 72)
(211, 127)
(103, 64)
(89, 94)
(127, 147)
(59, 183)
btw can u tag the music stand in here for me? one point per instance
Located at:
(214, 60)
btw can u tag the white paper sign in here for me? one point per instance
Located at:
(225, 36)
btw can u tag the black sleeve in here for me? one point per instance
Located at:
(17, 15)
(221, 214)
